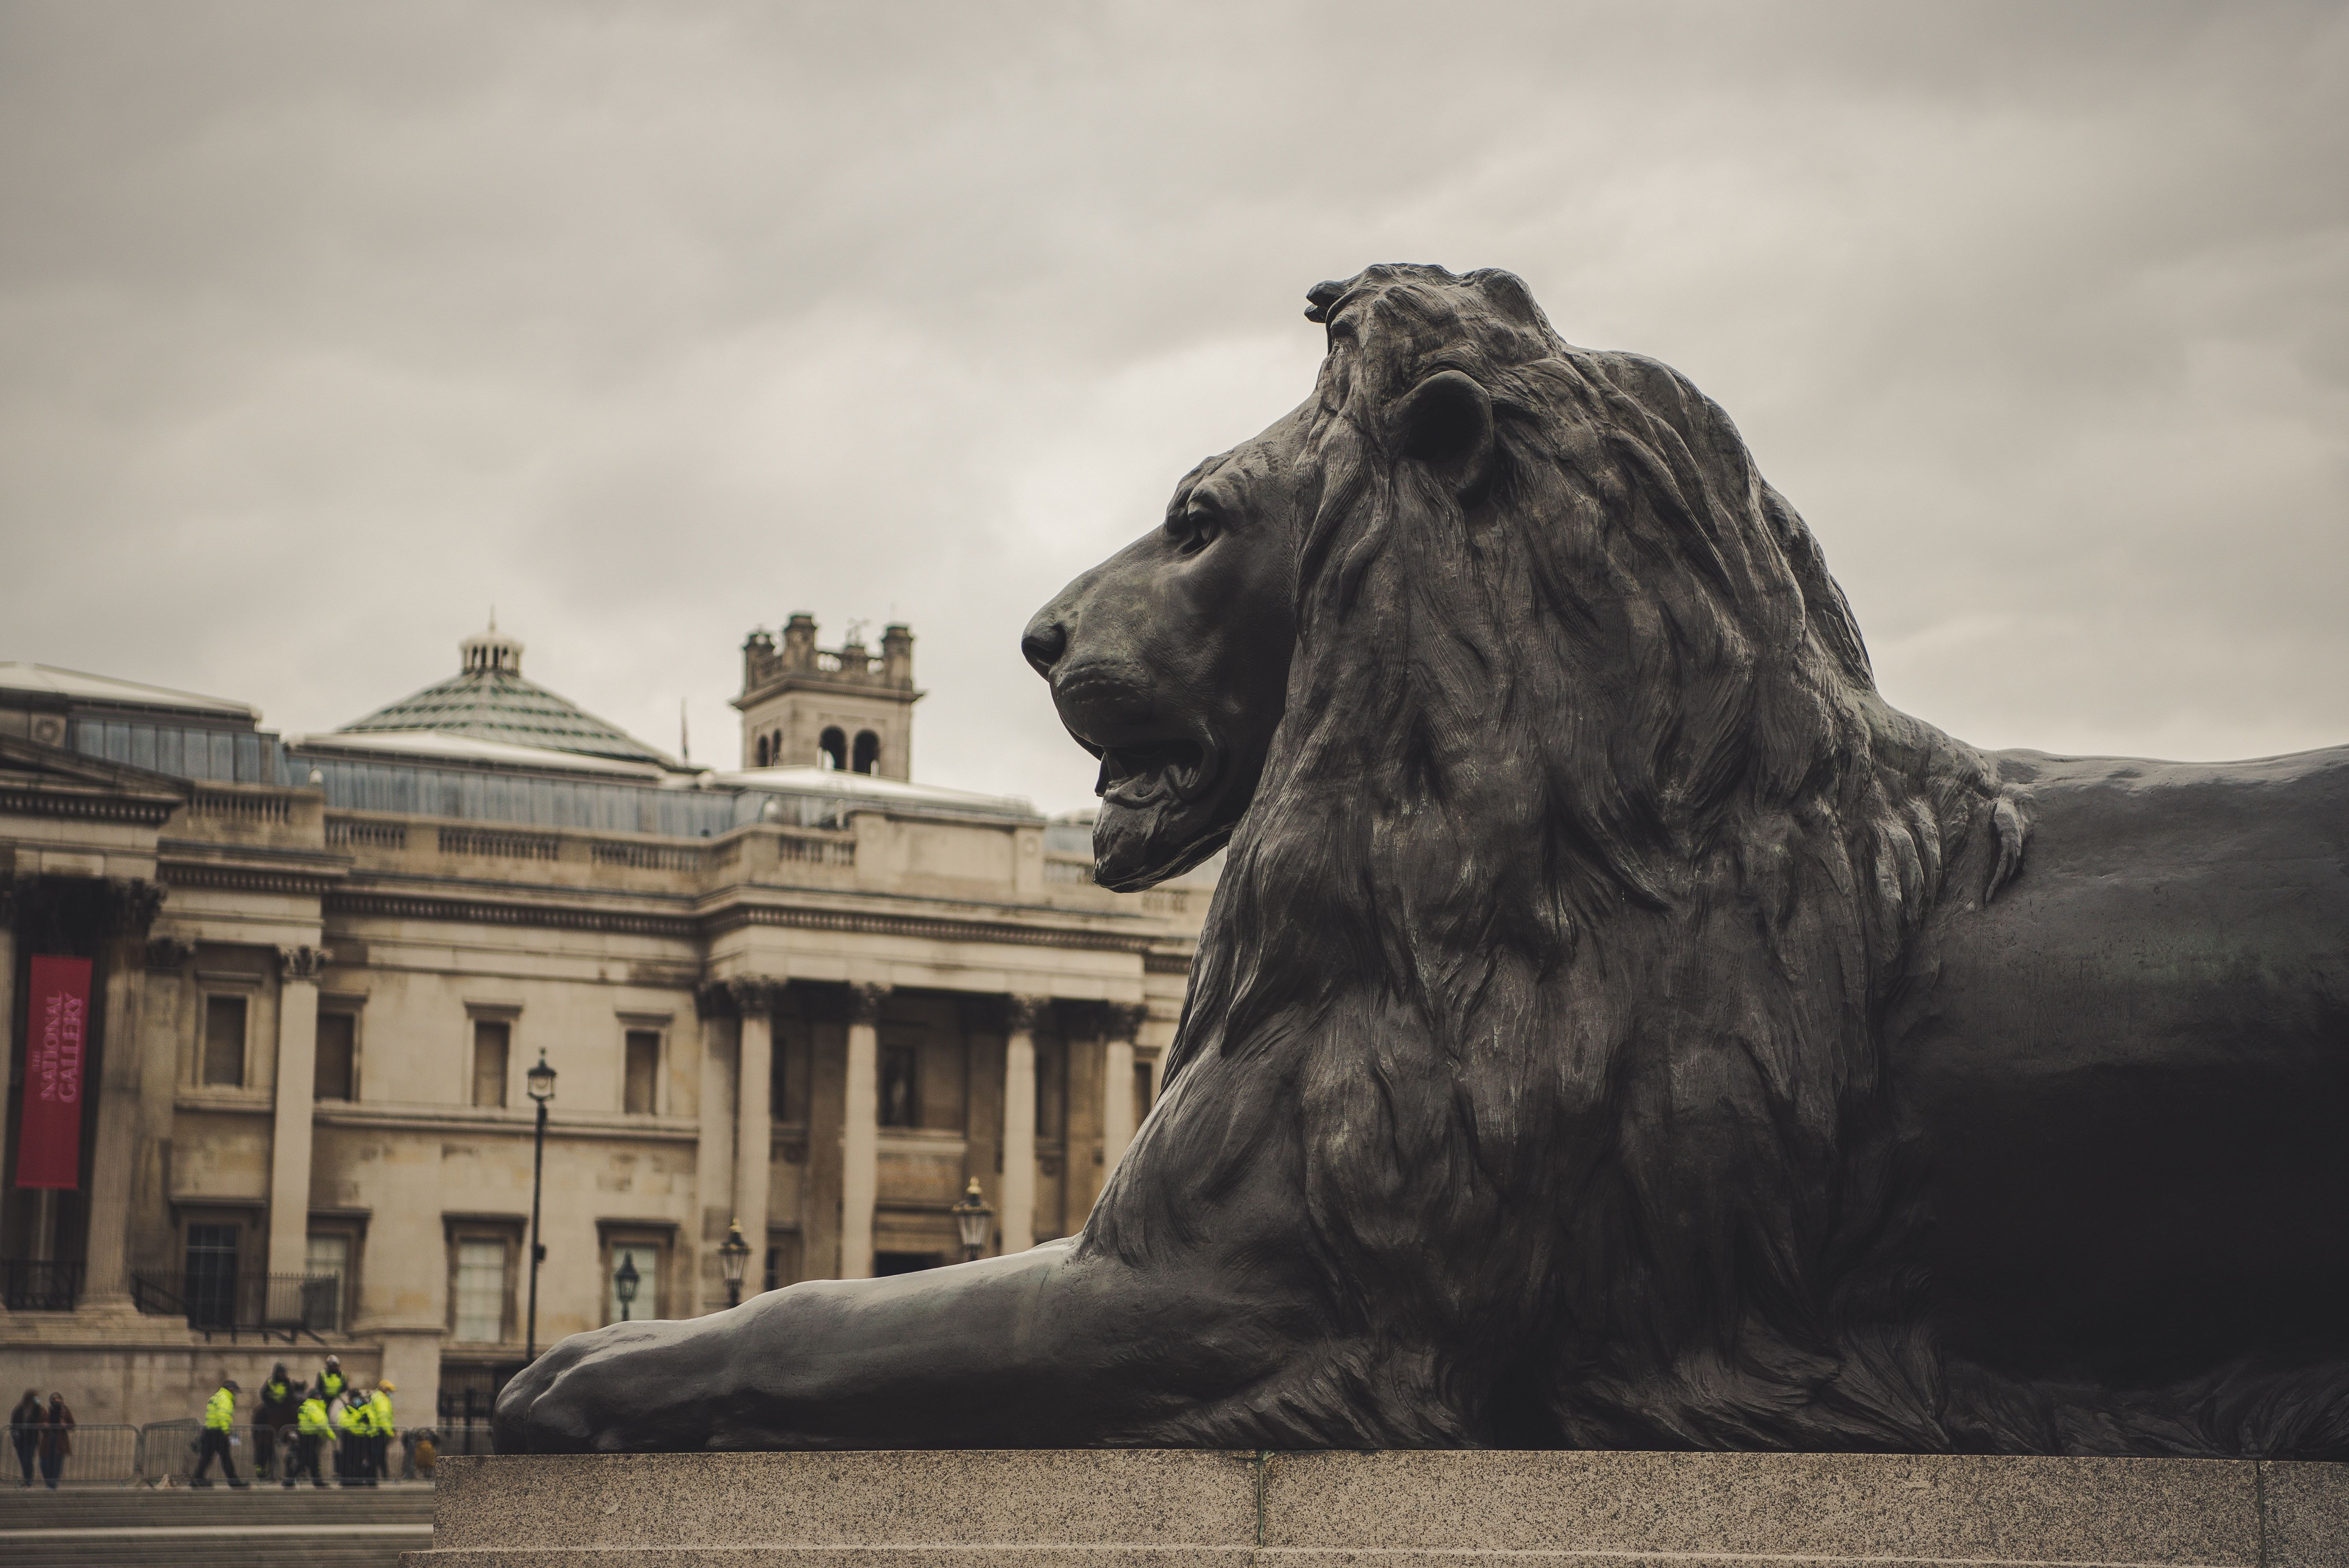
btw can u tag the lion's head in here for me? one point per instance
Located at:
(1571, 845)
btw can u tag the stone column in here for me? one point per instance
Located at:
(1019, 1207)
(860, 1133)
(1117, 1083)
(713, 1154)
(105, 1284)
(153, 1240)
(297, 1076)
(754, 1122)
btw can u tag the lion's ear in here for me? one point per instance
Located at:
(1447, 422)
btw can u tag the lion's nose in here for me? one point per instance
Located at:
(1044, 642)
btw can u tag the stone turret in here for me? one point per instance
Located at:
(808, 707)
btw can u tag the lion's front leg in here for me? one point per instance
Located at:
(1044, 1348)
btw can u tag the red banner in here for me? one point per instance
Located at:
(48, 1147)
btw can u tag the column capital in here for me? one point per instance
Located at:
(166, 953)
(131, 906)
(864, 1003)
(753, 996)
(1122, 1021)
(1022, 1014)
(294, 964)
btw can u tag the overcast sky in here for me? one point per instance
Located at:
(325, 326)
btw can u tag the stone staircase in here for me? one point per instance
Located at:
(260, 1527)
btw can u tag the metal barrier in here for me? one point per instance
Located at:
(98, 1454)
(29, 1284)
(170, 1451)
(269, 1306)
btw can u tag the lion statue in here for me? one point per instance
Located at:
(1615, 1027)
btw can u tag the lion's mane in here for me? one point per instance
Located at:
(1565, 917)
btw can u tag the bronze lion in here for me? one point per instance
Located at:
(1616, 1027)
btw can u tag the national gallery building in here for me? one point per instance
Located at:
(277, 1007)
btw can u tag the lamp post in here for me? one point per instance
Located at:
(540, 1081)
(972, 1217)
(733, 1254)
(624, 1283)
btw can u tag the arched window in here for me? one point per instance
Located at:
(868, 752)
(763, 751)
(834, 746)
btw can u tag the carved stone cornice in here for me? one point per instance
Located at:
(169, 954)
(1022, 1014)
(1166, 963)
(929, 927)
(249, 878)
(865, 1004)
(305, 963)
(488, 911)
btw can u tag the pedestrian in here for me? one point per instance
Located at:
(25, 1431)
(331, 1381)
(279, 1402)
(311, 1428)
(56, 1439)
(379, 1427)
(212, 1443)
(351, 1428)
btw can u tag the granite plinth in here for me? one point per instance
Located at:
(1175, 1508)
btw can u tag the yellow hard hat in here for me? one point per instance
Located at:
(388, 1387)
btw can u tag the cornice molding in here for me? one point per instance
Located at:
(1162, 963)
(144, 810)
(248, 879)
(930, 927)
(484, 912)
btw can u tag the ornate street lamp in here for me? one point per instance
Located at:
(624, 1283)
(540, 1081)
(972, 1217)
(733, 1254)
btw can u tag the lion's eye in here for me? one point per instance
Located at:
(1195, 529)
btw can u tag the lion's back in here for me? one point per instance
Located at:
(2129, 1075)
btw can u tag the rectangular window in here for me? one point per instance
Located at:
(209, 1283)
(337, 1032)
(325, 1268)
(644, 1259)
(1141, 1092)
(224, 1062)
(900, 1104)
(492, 1040)
(480, 1292)
(642, 1078)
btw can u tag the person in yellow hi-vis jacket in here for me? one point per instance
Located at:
(212, 1443)
(311, 1428)
(379, 1429)
(351, 1423)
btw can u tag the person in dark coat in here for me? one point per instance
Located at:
(56, 1439)
(25, 1431)
(281, 1403)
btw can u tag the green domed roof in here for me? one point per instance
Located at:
(490, 701)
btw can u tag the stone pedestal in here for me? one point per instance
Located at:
(1176, 1509)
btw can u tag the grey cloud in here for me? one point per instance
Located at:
(323, 327)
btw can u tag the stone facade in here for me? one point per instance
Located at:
(787, 998)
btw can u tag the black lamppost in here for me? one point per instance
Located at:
(972, 1217)
(624, 1283)
(541, 1082)
(733, 1254)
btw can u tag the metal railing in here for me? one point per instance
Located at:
(265, 1304)
(29, 1285)
(99, 1454)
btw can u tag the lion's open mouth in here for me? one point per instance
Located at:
(1141, 776)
